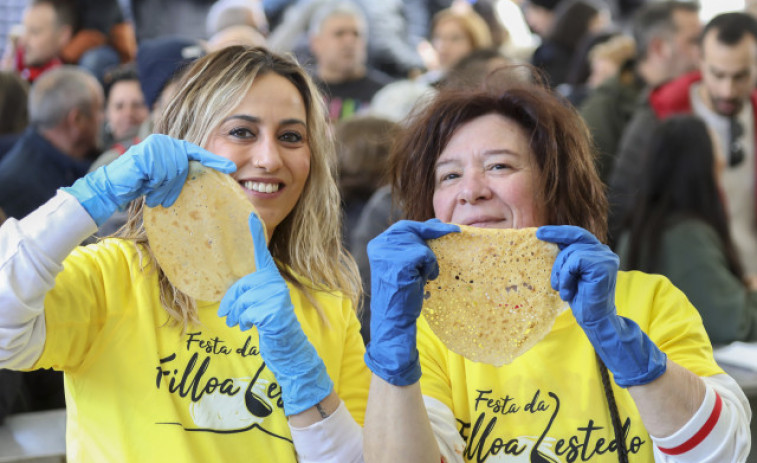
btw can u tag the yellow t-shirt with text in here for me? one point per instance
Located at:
(549, 405)
(140, 390)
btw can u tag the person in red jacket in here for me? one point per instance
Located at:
(90, 33)
(48, 27)
(722, 92)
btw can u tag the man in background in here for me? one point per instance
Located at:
(722, 92)
(48, 28)
(65, 112)
(65, 115)
(667, 46)
(338, 43)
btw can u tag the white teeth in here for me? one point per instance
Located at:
(261, 187)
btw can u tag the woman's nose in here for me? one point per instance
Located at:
(266, 154)
(473, 188)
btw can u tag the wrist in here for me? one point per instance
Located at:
(97, 204)
(298, 369)
(626, 350)
(399, 367)
(306, 390)
(319, 412)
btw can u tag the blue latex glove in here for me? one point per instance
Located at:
(584, 274)
(261, 299)
(401, 262)
(156, 168)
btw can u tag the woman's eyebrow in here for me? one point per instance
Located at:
(444, 163)
(293, 121)
(244, 117)
(489, 152)
(496, 151)
(257, 120)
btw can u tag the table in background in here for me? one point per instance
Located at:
(36, 437)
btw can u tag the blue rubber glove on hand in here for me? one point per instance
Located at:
(261, 299)
(401, 262)
(156, 168)
(584, 274)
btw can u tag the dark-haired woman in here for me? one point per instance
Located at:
(626, 374)
(678, 228)
(574, 20)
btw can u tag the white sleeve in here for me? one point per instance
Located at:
(335, 439)
(31, 254)
(718, 432)
(451, 445)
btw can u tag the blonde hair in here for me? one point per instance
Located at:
(308, 242)
(472, 23)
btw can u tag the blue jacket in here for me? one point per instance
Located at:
(32, 172)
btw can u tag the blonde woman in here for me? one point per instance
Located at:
(153, 375)
(455, 33)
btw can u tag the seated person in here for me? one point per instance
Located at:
(362, 147)
(338, 41)
(14, 112)
(455, 33)
(125, 112)
(677, 227)
(65, 112)
(48, 28)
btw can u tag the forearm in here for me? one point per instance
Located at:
(718, 431)
(669, 402)
(397, 428)
(327, 433)
(31, 254)
(316, 413)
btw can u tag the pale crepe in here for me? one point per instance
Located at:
(492, 300)
(203, 242)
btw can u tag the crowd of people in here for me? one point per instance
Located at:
(624, 130)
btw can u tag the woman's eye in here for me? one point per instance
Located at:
(499, 166)
(241, 132)
(291, 137)
(448, 176)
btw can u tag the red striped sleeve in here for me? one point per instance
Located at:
(700, 435)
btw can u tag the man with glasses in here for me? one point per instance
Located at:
(722, 92)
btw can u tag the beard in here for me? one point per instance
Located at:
(727, 107)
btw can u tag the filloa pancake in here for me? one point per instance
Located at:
(492, 300)
(203, 242)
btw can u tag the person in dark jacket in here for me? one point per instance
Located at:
(573, 21)
(338, 42)
(65, 112)
(678, 228)
(667, 46)
(722, 93)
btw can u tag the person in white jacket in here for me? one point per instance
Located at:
(154, 375)
(625, 374)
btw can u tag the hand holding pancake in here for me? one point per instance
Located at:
(261, 299)
(401, 262)
(584, 274)
(156, 168)
(492, 300)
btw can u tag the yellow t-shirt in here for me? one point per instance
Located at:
(550, 400)
(139, 390)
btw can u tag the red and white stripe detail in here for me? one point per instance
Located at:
(700, 435)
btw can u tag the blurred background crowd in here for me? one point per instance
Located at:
(667, 89)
